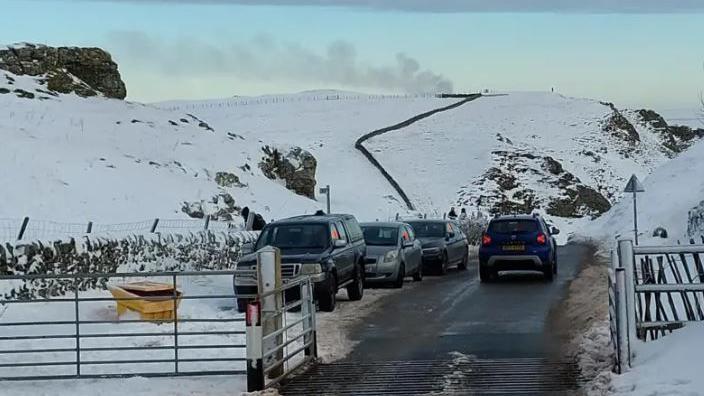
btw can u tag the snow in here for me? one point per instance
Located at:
(668, 366)
(670, 192)
(439, 160)
(327, 124)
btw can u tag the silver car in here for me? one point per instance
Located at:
(393, 253)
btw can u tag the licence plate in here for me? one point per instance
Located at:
(514, 248)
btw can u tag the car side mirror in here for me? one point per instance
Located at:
(554, 231)
(407, 243)
(450, 235)
(339, 243)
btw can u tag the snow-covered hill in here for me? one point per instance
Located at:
(567, 157)
(77, 159)
(67, 158)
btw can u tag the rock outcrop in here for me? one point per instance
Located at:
(695, 225)
(674, 137)
(84, 71)
(296, 167)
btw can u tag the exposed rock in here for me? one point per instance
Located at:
(220, 208)
(579, 201)
(85, 71)
(619, 126)
(296, 168)
(226, 179)
(676, 138)
(695, 225)
(552, 166)
(21, 93)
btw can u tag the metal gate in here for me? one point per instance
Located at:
(68, 326)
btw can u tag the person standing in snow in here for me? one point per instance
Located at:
(452, 215)
(463, 214)
(258, 223)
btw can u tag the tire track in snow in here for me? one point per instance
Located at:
(359, 144)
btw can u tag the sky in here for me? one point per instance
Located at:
(645, 53)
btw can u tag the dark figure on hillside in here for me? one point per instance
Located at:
(258, 223)
(463, 214)
(452, 215)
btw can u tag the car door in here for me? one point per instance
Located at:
(451, 243)
(343, 256)
(458, 243)
(415, 252)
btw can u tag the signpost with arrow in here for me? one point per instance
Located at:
(634, 186)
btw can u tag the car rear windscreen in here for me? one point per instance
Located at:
(380, 236)
(513, 226)
(427, 229)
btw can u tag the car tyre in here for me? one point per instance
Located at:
(355, 290)
(463, 265)
(398, 283)
(242, 305)
(549, 272)
(445, 263)
(418, 276)
(328, 298)
(485, 274)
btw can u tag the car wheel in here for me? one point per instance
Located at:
(554, 265)
(484, 274)
(398, 283)
(444, 264)
(463, 265)
(355, 290)
(328, 298)
(549, 272)
(242, 305)
(418, 276)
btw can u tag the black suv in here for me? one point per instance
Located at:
(444, 244)
(329, 248)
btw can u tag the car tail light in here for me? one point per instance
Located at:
(486, 240)
(541, 239)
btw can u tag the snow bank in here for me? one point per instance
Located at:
(668, 366)
(671, 191)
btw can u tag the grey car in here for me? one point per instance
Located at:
(393, 253)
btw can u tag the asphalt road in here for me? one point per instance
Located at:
(457, 313)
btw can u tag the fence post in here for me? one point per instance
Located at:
(626, 261)
(77, 314)
(623, 347)
(23, 228)
(89, 228)
(308, 309)
(249, 225)
(255, 366)
(207, 222)
(156, 223)
(269, 281)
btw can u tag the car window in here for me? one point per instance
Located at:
(428, 229)
(298, 236)
(354, 230)
(334, 232)
(404, 234)
(411, 234)
(380, 236)
(341, 231)
(513, 226)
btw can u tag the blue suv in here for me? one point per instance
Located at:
(518, 243)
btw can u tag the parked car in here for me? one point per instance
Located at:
(329, 248)
(518, 243)
(393, 252)
(444, 244)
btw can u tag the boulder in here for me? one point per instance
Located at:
(295, 166)
(85, 71)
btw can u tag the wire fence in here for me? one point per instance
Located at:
(235, 102)
(26, 229)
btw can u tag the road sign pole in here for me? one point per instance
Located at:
(327, 188)
(635, 216)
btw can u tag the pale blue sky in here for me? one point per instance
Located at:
(187, 49)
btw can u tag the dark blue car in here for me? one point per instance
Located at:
(518, 243)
